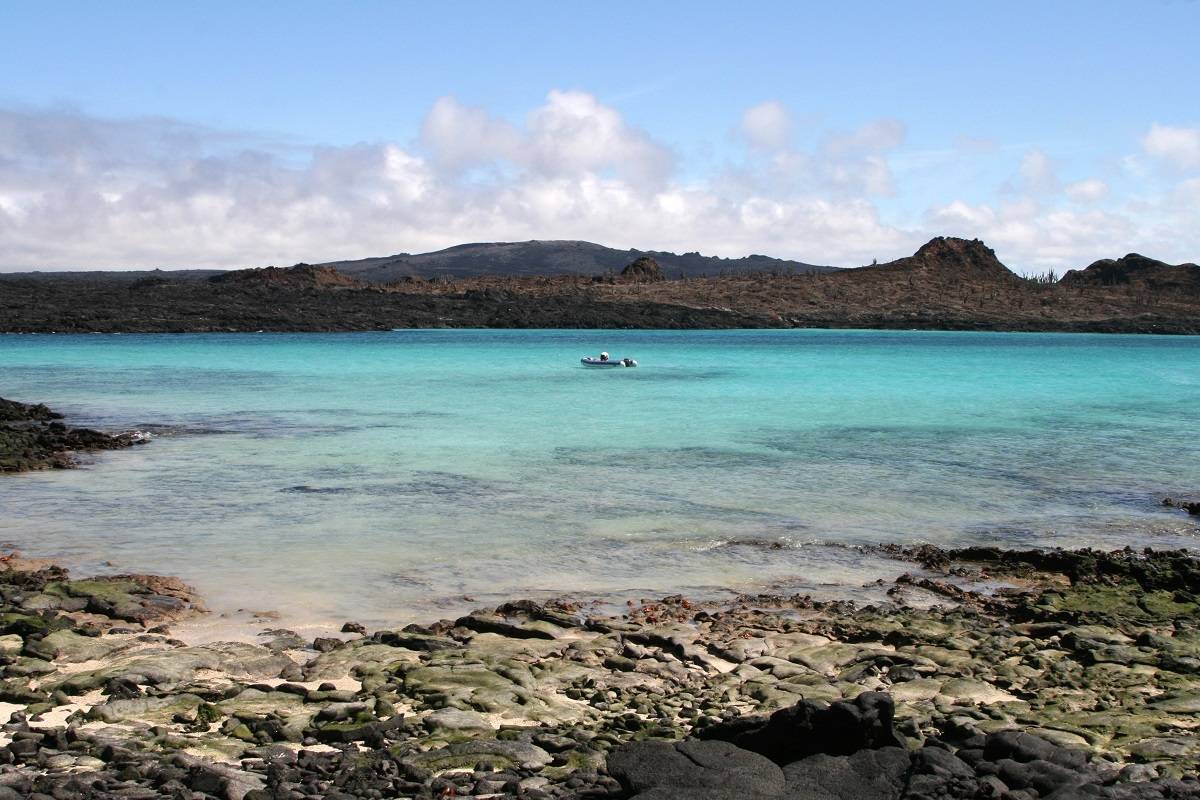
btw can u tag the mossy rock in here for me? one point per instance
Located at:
(11, 645)
(948, 659)
(357, 657)
(1175, 750)
(112, 591)
(915, 691)
(115, 598)
(243, 732)
(179, 666)
(26, 625)
(362, 727)
(450, 721)
(207, 714)
(17, 690)
(255, 702)
(26, 667)
(503, 686)
(829, 659)
(1125, 603)
(1179, 704)
(154, 710)
(70, 647)
(500, 754)
(216, 747)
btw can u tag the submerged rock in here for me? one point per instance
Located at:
(1190, 506)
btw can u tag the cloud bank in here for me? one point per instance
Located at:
(79, 191)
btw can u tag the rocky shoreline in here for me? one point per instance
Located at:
(34, 437)
(989, 674)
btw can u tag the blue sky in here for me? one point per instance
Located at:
(224, 134)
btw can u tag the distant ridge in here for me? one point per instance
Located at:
(552, 257)
(111, 276)
(947, 284)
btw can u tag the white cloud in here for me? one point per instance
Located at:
(1029, 237)
(876, 136)
(82, 191)
(573, 133)
(1037, 174)
(459, 136)
(976, 144)
(1179, 147)
(767, 126)
(1091, 190)
(843, 164)
(856, 162)
(1186, 192)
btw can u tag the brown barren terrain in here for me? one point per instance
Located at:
(951, 284)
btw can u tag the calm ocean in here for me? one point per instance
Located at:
(385, 476)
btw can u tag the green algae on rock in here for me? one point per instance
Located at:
(1095, 652)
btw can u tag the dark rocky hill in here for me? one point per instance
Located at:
(949, 284)
(551, 257)
(1136, 270)
(946, 258)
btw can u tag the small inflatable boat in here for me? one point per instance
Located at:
(607, 362)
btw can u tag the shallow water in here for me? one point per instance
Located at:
(385, 476)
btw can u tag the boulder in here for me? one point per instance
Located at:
(808, 728)
(865, 775)
(456, 720)
(70, 647)
(694, 768)
(500, 754)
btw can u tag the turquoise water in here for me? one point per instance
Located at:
(382, 476)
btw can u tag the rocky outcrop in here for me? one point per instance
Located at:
(808, 728)
(963, 260)
(1190, 506)
(643, 270)
(1136, 270)
(12, 411)
(32, 438)
(300, 276)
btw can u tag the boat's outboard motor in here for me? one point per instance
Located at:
(629, 362)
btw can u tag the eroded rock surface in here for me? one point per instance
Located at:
(1078, 677)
